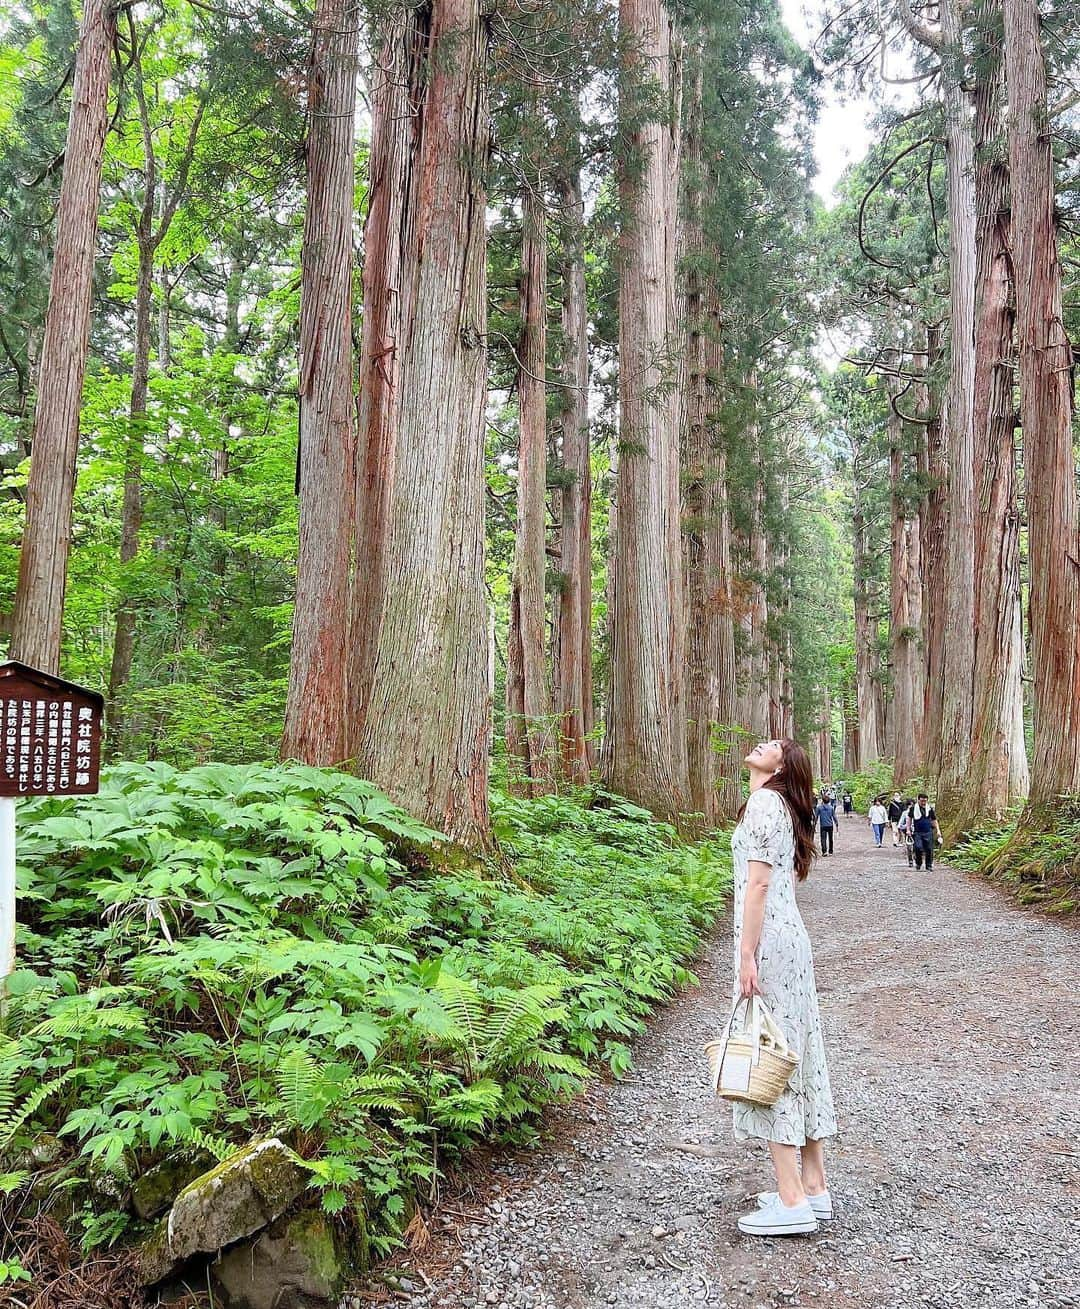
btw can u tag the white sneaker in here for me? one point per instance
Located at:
(821, 1204)
(777, 1219)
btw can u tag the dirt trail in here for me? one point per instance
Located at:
(952, 1030)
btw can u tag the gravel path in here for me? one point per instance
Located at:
(951, 1022)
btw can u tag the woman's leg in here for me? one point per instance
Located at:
(813, 1168)
(785, 1160)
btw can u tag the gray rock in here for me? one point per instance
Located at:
(296, 1263)
(235, 1199)
(158, 1187)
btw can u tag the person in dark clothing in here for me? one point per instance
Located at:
(894, 810)
(826, 816)
(848, 802)
(922, 819)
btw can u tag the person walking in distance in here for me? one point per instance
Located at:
(923, 820)
(848, 802)
(773, 846)
(826, 817)
(878, 817)
(894, 810)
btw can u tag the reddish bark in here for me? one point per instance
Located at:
(420, 689)
(867, 683)
(931, 465)
(316, 708)
(645, 746)
(959, 600)
(529, 742)
(710, 649)
(574, 654)
(758, 690)
(37, 622)
(1046, 362)
(905, 620)
(997, 775)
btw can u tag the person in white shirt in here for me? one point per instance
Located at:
(879, 817)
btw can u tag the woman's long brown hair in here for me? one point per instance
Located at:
(795, 783)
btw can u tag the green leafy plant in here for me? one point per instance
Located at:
(234, 951)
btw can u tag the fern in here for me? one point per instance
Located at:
(217, 1147)
(465, 1007)
(14, 1113)
(297, 1078)
(517, 1018)
(471, 1108)
(337, 971)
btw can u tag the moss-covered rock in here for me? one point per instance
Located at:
(158, 1187)
(235, 1199)
(299, 1262)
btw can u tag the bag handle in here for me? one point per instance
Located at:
(757, 1016)
(773, 1028)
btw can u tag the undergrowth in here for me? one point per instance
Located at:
(1039, 862)
(865, 786)
(232, 951)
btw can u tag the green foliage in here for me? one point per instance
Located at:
(230, 951)
(1034, 855)
(874, 780)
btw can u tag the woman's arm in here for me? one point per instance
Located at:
(757, 889)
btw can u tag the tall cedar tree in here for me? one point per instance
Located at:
(39, 599)
(997, 774)
(1045, 359)
(420, 698)
(574, 691)
(316, 710)
(529, 706)
(644, 754)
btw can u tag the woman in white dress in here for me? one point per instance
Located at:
(773, 846)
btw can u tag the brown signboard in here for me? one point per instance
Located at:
(50, 734)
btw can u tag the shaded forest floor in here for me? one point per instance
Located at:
(953, 1045)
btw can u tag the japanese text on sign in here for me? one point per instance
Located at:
(49, 745)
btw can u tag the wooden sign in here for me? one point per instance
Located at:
(50, 734)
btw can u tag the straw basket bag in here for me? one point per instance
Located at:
(753, 1062)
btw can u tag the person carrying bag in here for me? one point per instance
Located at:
(771, 1061)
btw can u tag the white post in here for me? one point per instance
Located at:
(7, 885)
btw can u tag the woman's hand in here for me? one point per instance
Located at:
(748, 979)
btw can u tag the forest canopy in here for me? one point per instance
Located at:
(439, 388)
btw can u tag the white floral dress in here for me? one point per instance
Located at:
(786, 977)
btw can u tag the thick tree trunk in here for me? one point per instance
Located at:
(316, 708)
(998, 773)
(959, 601)
(787, 722)
(905, 620)
(776, 693)
(931, 466)
(421, 723)
(759, 722)
(778, 560)
(1046, 363)
(574, 660)
(867, 685)
(712, 747)
(529, 742)
(645, 747)
(37, 622)
(851, 727)
(824, 768)
(710, 643)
